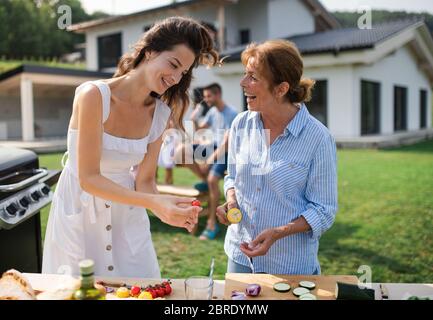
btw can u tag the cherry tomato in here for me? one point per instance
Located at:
(160, 291)
(135, 291)
(167, 288)
(196, 203)
(152, 292)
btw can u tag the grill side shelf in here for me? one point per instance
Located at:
(51, 178)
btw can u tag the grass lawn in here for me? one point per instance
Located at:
(385, 220)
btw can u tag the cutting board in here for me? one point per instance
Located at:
(325, 285)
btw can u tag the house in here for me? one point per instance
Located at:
(373, 86)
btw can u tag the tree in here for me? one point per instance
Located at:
(29, 28)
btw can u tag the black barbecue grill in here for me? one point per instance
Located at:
(24, 191)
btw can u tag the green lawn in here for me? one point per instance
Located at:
(385, 220)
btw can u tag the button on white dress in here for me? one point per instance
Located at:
(116, 236)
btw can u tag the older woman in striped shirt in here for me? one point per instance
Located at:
(282, 171)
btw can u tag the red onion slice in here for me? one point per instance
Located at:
(237, 295)
(253, 290)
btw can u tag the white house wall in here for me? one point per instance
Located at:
(289, 17)
(231, 21)
(343, 114)
(248, 18)
(398, 69)
(342, 109)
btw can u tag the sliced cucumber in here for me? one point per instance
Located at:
(308, 296)
(282, 287)
(300, 291)
(307, 284)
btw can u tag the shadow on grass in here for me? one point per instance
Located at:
(332, 248)
(422, 147)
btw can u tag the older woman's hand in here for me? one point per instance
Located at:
(261, 244)
(222, 211)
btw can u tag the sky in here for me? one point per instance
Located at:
(129, 6)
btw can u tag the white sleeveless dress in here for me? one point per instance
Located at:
(80, 226)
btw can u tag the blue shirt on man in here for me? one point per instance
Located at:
(219, 121)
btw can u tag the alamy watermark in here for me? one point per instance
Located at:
(365, 278)
(365, 20)
(65, 19)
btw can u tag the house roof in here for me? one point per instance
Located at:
(335, 41)
(83, 26)
(314, 5)
(27, 68)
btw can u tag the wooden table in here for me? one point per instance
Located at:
(49, 282)
(325, 285)
(223, 288)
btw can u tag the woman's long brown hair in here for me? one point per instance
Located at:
(163, 36)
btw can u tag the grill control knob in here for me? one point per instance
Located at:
(45, 190)
(25, 201)
(36, 195)
(12, 209)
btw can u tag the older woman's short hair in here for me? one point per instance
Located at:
(280, 61)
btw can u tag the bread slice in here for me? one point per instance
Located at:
(14, 286)
(58, 294)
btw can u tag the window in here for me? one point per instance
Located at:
(370, 107)
(109, 50)
(244, 36)
(423, 108)
(400, 108)
(319, 102)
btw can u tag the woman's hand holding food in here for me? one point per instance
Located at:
(222, 210)
(176, 211)
(261, 244)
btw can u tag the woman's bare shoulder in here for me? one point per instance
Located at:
(89, 99)
(88, 93)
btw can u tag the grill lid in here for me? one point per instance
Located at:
(13, 158)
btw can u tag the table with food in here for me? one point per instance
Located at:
(15, 285)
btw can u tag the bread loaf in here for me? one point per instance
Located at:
(14, 286)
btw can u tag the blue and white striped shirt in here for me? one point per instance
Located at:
(296, 176)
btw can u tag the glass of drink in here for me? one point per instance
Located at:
(199, 288)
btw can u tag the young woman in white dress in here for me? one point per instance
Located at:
(99, 207)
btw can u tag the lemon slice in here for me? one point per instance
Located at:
(234, 215)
